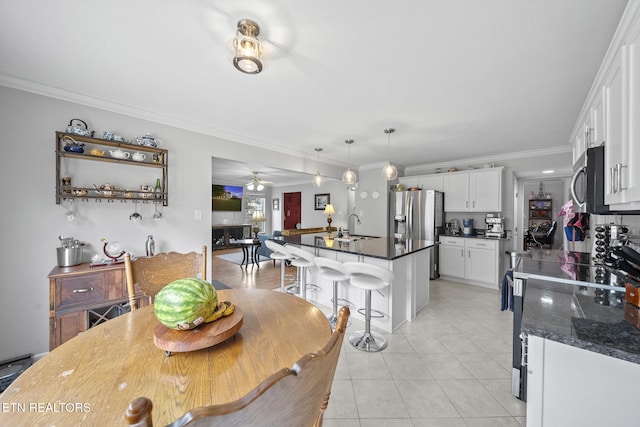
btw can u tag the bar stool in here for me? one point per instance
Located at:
(279, 252)
(368, 277)
(303, 260)
(334, 271)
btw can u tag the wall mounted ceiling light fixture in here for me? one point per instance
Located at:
(318, 180)
(349, 177)
(389, 172)
(248, 48)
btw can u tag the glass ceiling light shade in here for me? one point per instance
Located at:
(349, 177)
(318, 180)
(389, 172)
(248, 48)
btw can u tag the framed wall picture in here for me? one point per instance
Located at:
(321, 201)
(276, 204)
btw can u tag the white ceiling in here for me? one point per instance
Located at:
(456, 78)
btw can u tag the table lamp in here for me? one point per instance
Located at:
(328, 210)
(256, 217)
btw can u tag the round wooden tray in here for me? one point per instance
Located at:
(205, 335)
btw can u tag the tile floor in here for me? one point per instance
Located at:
(450, 367)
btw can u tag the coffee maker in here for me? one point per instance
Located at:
(495, 225)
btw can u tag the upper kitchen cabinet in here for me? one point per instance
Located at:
(590, 129)
(473, 191)
(425, 182)
(616, 93)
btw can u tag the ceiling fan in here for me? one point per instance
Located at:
(255, 183)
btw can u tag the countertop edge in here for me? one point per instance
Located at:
(585, 345)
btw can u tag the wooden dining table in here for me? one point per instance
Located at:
(91, 379)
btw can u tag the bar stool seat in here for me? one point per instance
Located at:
(370, 278)
(303, 260)
(333, 270)
(279, 252)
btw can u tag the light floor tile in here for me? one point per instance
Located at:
(406, 366)
(492, 422)
(483, 366)
(367, 366)
(425, 398)
(445, 366)
(378, 399)
(439, 422)
(501, 390)
(449, 367)
(342, 402)
(396, 422)
(471, 399)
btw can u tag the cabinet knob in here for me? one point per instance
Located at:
(83, 290)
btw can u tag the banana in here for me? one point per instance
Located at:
(230, 308)
(217, 313)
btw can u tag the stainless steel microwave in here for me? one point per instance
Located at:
(587, 185)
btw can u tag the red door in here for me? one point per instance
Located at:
(292, 210)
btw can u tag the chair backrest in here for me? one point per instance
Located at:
(300, 253)
(363, 270)
(291, 397)
(276, 247)
(331, 264)
(148, 275)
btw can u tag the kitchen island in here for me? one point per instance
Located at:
(408, 260)
(583, 341)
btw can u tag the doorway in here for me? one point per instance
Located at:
(292, 210)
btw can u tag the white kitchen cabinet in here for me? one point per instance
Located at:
(623, 167)
(590, 130)
(473, 191)
(451, 256)
(476, 261)
(610, 114)
(613, 89)
(480, 263)
(567, 385)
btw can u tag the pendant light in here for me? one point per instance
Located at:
(318, 180)
(389, 172)
(349, 177)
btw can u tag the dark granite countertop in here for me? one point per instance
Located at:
(475, 236)
(376, 247)
(563, 302)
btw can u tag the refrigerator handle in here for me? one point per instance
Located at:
(409, 217)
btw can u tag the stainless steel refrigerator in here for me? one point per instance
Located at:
(418, 215)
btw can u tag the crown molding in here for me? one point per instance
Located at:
(415, 169)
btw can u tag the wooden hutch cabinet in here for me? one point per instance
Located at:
(81, 297)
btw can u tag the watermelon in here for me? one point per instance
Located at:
(185, 303)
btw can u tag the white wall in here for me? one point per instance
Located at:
(31, 221)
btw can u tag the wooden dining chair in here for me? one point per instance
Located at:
(291, 397)
(146, 276)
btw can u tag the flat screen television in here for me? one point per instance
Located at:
(226, 197)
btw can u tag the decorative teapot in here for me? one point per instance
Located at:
(72, 146)
(77, 129)
(138, 157)
(119, 154)
(148, 141)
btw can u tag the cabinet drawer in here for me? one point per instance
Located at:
(481, 244)
(81, 290)
(452, 241)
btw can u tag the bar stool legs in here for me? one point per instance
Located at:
(368, 340)
(368, 277)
